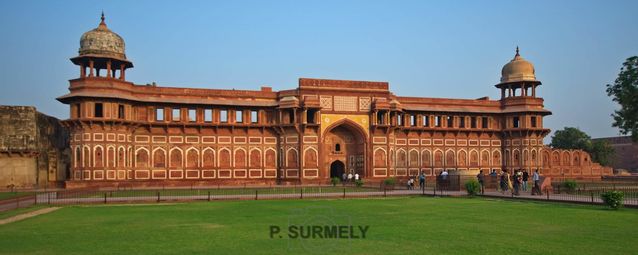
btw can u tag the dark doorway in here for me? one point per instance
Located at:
(337, 168)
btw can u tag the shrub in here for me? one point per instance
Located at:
(335, 181)
(472, 187)
(570, 185)
(612, 198)
(390, 181)
(359, 183)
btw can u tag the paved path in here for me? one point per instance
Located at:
(28, 215)
(50, 197)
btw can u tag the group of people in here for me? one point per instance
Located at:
(410, 183)
(514, 183)
(348, 178)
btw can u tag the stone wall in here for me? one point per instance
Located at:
(33, 148)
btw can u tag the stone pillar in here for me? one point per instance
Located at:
(122, 71)
(108, 69)
(82, 70)
(91, 71)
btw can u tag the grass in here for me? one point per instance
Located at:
(406, 225)
(8, 195)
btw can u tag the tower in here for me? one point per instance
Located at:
(102, 49)
(522, 118)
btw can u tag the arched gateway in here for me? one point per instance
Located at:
(344, 145)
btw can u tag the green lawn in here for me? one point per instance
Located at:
(407, 225)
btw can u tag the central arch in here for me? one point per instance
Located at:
(345, 141)
(337, 169)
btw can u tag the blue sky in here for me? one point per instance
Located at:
(423, 48)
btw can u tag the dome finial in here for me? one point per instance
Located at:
(102, 23)
(517, 55)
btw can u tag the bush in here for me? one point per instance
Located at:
(472, 187)
(390, 181)
(612, 198)
(359, 183)
(570, 185)
(335, 181)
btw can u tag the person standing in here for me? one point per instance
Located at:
(504, 181)
(480, 181)
(344, 177)
(525, 179)
(422, 181)
(356, 177)
(536, 190)
(350, 177)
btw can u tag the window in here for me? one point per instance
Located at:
(239, 116)
(450, 121)
(399, 120)
(310, 117)
(412, 120)
(380, 118)
(192, 115)
(223, 116)
(254, 117)
(426, 120)
(533, 121)
(99, 110)
(484, 122)
(337, 147)
(175, 114)
(120, 111)
(462, 122)
(159, 114)
(515, 122)
(291, 117)
(208, 115)
(473, 122)
(438, 120)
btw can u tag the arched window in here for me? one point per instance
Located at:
(337, 147)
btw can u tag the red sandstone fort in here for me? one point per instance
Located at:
(121, 132)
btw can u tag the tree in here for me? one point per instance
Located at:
(625, 92)
(571, 138)
(602, 152)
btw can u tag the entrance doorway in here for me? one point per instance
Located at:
(337, 168)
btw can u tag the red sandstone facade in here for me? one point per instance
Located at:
(146, 134)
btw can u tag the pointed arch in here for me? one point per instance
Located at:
(496, 158)
(142, 157)
(176, 158)
(110, 156)
(77, 157)
(86, 155)
(121, 157)
(516, 157)
(271, 158)
(461, 158)
(438, 158)
(486, 160)
(450, 158)
(292, 158)
(192, 158)
(310, 157)
(239, 158)
(98, 156)
(474, 158)
(208, 158)
(159, 157)
(380, 157)
(254, 158)
(426, 158)
(224, 158)
(413, 158)
(401, 158)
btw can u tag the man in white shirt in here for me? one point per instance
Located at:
(537, 179)
(356, 177)
(349, 177)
